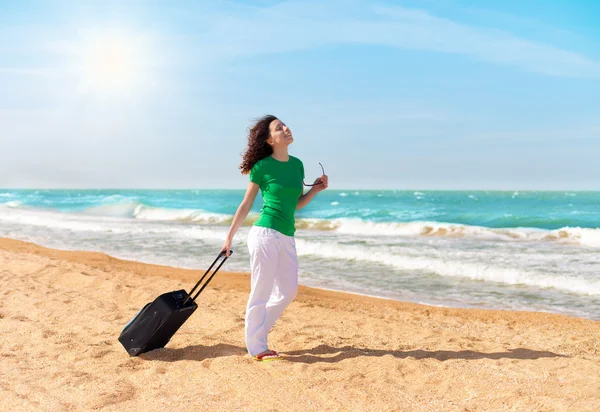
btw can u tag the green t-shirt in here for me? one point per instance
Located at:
(281, 187)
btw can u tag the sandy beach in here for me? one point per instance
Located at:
(61, 313)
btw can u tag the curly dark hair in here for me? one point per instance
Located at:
(258, 148)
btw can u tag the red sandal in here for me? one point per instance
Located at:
(267, 357)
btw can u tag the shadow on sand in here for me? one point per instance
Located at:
(322, 353)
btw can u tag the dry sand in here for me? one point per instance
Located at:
(61, 313)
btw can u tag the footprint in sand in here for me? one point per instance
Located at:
(161, 370)
(124, 391)
(328, 369)
(100, 353)
(357, 377)
(48, 333)
(66, 338)
(133, 364)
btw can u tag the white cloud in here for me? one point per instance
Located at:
(427, 32)
(303, 25)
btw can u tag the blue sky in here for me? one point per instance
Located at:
(387, 95)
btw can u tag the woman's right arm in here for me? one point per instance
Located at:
(240, 215)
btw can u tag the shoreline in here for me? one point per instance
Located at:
(184, 274)
(62, 312)
(231, 277)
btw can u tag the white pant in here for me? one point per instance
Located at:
(274, 283)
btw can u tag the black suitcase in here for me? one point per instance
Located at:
(158, 321)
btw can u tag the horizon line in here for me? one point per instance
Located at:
(330, 189)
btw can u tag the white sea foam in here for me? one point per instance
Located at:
(144, 212)
(158, 214)
(112, 210)
(111, 199)
(587, 237)
(51, 220)
(451, 268)
(12, 203)
(116, 223)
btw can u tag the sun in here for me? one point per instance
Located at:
(111, 63)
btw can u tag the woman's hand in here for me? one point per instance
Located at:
(321, 183)
(226, 247)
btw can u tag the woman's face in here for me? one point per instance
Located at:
(281, 135)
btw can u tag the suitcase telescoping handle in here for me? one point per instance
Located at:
(222, 254)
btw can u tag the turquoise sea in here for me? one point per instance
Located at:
(497, 250)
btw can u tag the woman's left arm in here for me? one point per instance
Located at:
(321, 184)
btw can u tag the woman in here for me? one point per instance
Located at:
(273, 261)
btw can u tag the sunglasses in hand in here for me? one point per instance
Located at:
(314, 184)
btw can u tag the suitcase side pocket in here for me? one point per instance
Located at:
(132, 321)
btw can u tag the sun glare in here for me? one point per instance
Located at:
(111, 64)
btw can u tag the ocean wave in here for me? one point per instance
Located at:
(583, 236)
(198, 216)
(160, 214)
(82, 223)
(587, 237)
(122, 210)
(141, 211)
(451, 268)
(348, 226)
(51, 220)
(115, 198)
